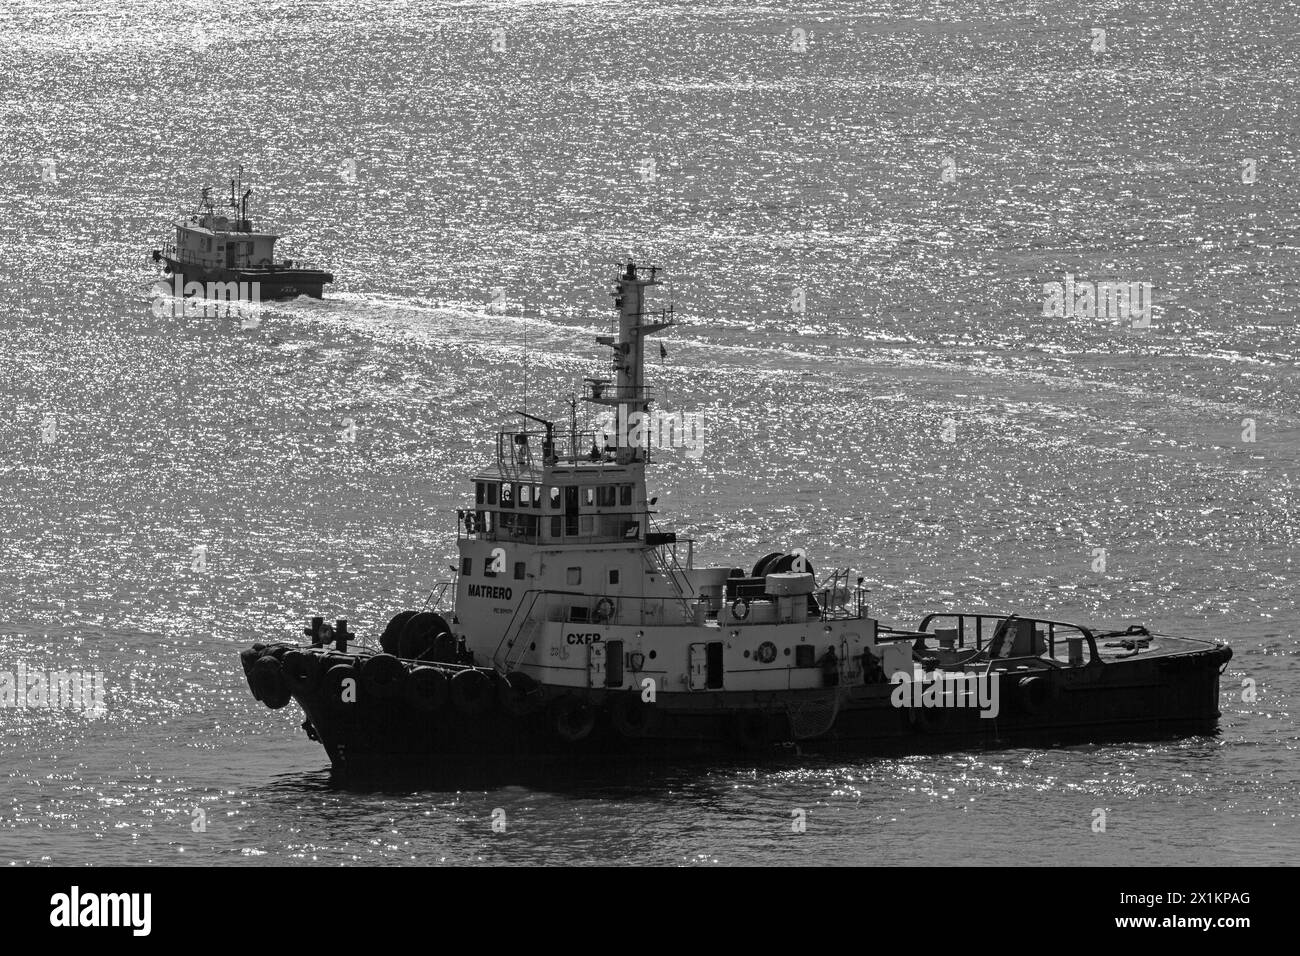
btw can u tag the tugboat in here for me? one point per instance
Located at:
(578, 627)
(225, 251)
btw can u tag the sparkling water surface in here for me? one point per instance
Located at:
(391, 143)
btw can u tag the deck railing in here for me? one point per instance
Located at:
(978, 624)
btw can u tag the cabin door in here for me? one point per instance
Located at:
(571, 510)
(699, 666)
(231, 248)
(705, 668)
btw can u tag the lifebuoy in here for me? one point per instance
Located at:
(471, 692)
(267, 681)
(605, 608)
(519, 694)
(631, 715)
(766, 653)
(426, 689)
(574, 719)
(383, 676)
(740, 608)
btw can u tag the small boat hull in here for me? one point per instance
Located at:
(267, 283)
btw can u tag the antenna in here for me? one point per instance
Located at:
(573, 424)
(524, 311)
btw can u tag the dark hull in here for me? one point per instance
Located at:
(272, 282)
(392, 736)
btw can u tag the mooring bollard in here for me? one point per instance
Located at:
(317, 625)
(341, 634)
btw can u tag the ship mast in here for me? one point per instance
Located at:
(627, 393)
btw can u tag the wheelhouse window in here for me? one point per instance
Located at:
(555, 498)
(625, 494)
(517, 525)
(507, 494)
(480, 492)
(589, 496)
(525, 496)
(492, 493)
(537, 496)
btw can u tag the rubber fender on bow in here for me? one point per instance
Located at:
(427, 690)
(383, 676)
(303, 670)
(471, 692)
(249, 656)
(268, 682)
(337, 694)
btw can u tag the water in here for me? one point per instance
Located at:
(131, 440)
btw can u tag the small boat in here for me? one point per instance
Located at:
(577, 627)
(227, 254)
